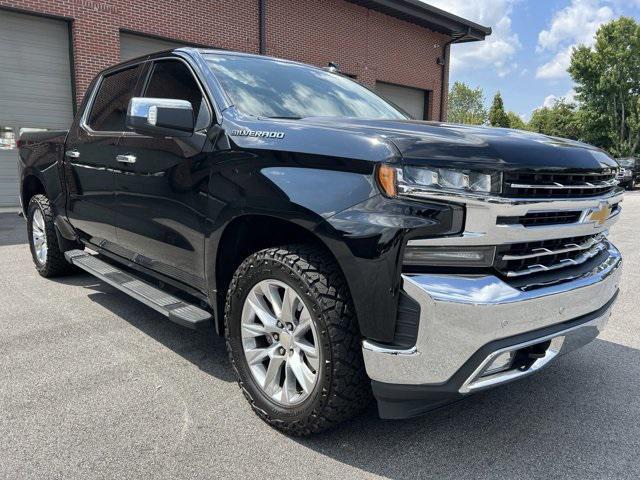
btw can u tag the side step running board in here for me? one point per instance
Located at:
(176, 310)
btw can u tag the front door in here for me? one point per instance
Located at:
(161, 194)
(90, 160)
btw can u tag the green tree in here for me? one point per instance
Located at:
(497, 115)
(515, 121)
(560, 120)
(607, 78)
(466, 105)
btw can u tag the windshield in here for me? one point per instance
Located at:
(271, 88)
(627, 162)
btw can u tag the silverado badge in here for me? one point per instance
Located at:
(256, 133)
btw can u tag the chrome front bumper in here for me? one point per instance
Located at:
(459, 315)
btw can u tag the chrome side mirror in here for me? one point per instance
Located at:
(160, 117)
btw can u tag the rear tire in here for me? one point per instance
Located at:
(47, 254)
(341, 388)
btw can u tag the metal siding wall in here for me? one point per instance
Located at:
(132, 46)
(35, 84)
(410, 99)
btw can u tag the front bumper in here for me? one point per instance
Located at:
(466, 320)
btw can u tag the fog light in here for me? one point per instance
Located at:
(449, 256)
(499, 364)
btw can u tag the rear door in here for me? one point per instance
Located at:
(162, 197)
(90, 159)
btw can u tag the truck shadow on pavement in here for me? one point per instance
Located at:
(204, 349)
(576, 419)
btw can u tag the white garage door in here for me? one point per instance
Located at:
(411, 100)
(132, 46)
(35, 86)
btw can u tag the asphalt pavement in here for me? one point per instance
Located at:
(96, 385)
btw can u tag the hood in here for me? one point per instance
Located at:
(444, 144)
(418, 142)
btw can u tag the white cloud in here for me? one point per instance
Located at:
(571, 26)
(550, 100)
(557, 66)
(498, 49)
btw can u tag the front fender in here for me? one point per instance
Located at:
(368, 241)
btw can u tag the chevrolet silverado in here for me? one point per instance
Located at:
(343, 249)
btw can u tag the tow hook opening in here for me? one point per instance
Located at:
(511, 363)
(521, 359)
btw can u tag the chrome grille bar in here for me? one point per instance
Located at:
(537, 268)
(569, 247)
(560, 186)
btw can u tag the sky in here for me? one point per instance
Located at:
(527, 55)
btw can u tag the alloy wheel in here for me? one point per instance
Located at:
(39, 236)
(280, 342)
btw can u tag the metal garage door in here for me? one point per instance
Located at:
(411, 100)
(132, 46)
(35, 86)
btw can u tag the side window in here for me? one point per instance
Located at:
(173, 79)
(109, 109)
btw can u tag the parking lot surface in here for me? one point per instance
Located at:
(96, 385)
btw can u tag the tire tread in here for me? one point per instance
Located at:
(56, 265)
(349, 389)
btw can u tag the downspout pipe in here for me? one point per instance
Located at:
(262, 33)
(445, 56)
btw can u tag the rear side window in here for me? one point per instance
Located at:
(173, 79)
(109, 109)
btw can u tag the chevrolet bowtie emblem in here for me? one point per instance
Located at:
(600, 214)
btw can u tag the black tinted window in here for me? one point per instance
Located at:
(172, 79)
(109, 109)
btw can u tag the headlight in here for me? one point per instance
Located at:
(394, 180)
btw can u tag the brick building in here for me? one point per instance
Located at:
(51, 49)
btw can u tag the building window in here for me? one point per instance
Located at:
(7, 138)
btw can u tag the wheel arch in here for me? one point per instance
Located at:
(243, 236)
(31, 185)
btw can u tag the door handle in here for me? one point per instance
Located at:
(72, 153)
(126, 158)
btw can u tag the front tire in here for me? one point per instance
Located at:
(48, 257)
(293, 340)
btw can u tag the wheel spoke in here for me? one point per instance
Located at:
(272, 377)
(38, 220)
(289, 303)
(310, 352)
(289, 386)
(305, 377)
(262, 311)
(304, 324)
(251, 330)
(257, 355)
(273, 295)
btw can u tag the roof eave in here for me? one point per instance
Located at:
(428, 16)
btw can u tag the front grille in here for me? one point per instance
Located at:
(520, 259)
(538, 219)
(557, 185)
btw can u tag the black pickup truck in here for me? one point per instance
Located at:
(342, 248)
